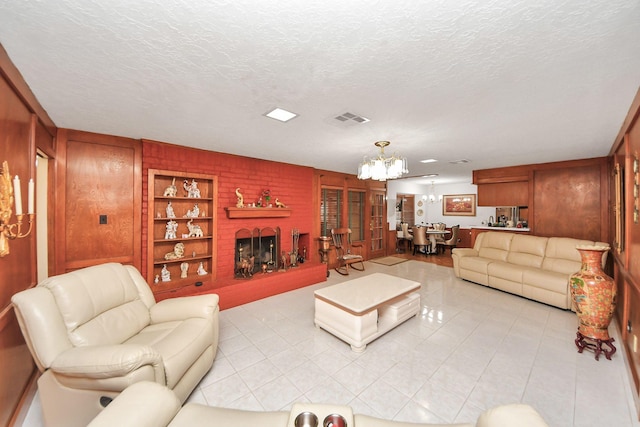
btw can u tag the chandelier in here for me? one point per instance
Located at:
(381, 168)
(432, 194)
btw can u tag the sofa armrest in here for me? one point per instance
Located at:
(107, 361)
(457, 253)
(463, 252)
(143, 404)
(205, 306)
(516, 414)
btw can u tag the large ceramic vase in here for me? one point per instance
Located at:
(594, 297)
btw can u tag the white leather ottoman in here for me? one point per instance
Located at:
(360, 310)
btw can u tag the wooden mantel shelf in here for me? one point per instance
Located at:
(257, 212)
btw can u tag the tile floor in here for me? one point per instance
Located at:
(469, 349)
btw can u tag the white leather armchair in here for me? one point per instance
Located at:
(95, 331)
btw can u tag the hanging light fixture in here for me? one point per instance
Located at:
(381, 168)
(432, 194)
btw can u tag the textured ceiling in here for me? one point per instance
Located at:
(497, 82)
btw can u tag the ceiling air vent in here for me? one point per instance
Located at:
(457, 162)
(351, 117)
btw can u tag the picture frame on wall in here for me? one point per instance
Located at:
(459, 205)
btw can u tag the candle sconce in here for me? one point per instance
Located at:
(8, 195)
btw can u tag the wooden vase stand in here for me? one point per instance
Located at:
(595, 345)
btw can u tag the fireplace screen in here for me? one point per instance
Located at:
(256, 251)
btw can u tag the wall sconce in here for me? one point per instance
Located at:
(12, 231)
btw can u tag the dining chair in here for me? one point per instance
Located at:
(420, 239)
(451, 242)
(344, 255)
(440, 226)
(408, 238)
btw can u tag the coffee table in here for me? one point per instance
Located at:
(360, 310)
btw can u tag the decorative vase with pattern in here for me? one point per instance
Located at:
(594, 297)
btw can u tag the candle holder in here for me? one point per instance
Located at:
(13, 231)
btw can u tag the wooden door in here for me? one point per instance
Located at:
(377, 223)
(98, 200)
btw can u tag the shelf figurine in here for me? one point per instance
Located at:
(170, 212)
(178, 252)
(172, 228)
(171, 190)
(184, 268)
(240, 200)
(192, 189)
(193, 213)
(201, 270)
(194, 229)
(165, 273)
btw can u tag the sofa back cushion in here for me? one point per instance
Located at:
(562, 256)
(99, 305)
(493, 245)
(527, 250)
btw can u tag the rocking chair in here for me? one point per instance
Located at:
(344, 256)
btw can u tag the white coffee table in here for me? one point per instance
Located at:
(360, 310)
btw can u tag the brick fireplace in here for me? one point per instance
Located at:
(291, 184)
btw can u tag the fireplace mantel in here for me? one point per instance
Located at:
(233, 213)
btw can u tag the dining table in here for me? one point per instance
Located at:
(432, 235)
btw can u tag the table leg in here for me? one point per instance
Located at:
(432, 239)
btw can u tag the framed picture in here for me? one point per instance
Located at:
(459, 204)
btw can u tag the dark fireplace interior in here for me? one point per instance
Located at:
(257, 250)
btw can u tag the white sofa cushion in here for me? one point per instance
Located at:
(563, 257)
(95, 314)
(527, 250)
(493, 245)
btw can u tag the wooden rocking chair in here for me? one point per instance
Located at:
(342, 242)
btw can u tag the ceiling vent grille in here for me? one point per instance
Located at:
(345, 117)
(457, 162)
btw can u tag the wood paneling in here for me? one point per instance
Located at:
(101, 176)
(568, 198)
(465, 238)
(504, 194)
(624, 151)
(15, 131)
(568, 202)
(20, 128)
(633, 228)
(16, 365)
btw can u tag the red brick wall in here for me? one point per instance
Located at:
(292, 184)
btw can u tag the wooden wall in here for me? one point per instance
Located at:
(625, 157)
(97, 175)
(565, 199)
(24, 126)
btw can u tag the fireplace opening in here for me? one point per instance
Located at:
(256, 251)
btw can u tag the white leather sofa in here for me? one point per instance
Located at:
(534, 267)
(148, 404)
(95, 331)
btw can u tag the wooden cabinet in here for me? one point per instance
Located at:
(182, 229)
(465, 238)
(504, 194)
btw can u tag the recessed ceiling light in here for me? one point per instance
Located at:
(281, 115)
(431, 175)
(428, 161)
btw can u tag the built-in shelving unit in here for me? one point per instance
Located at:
(189, 211)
